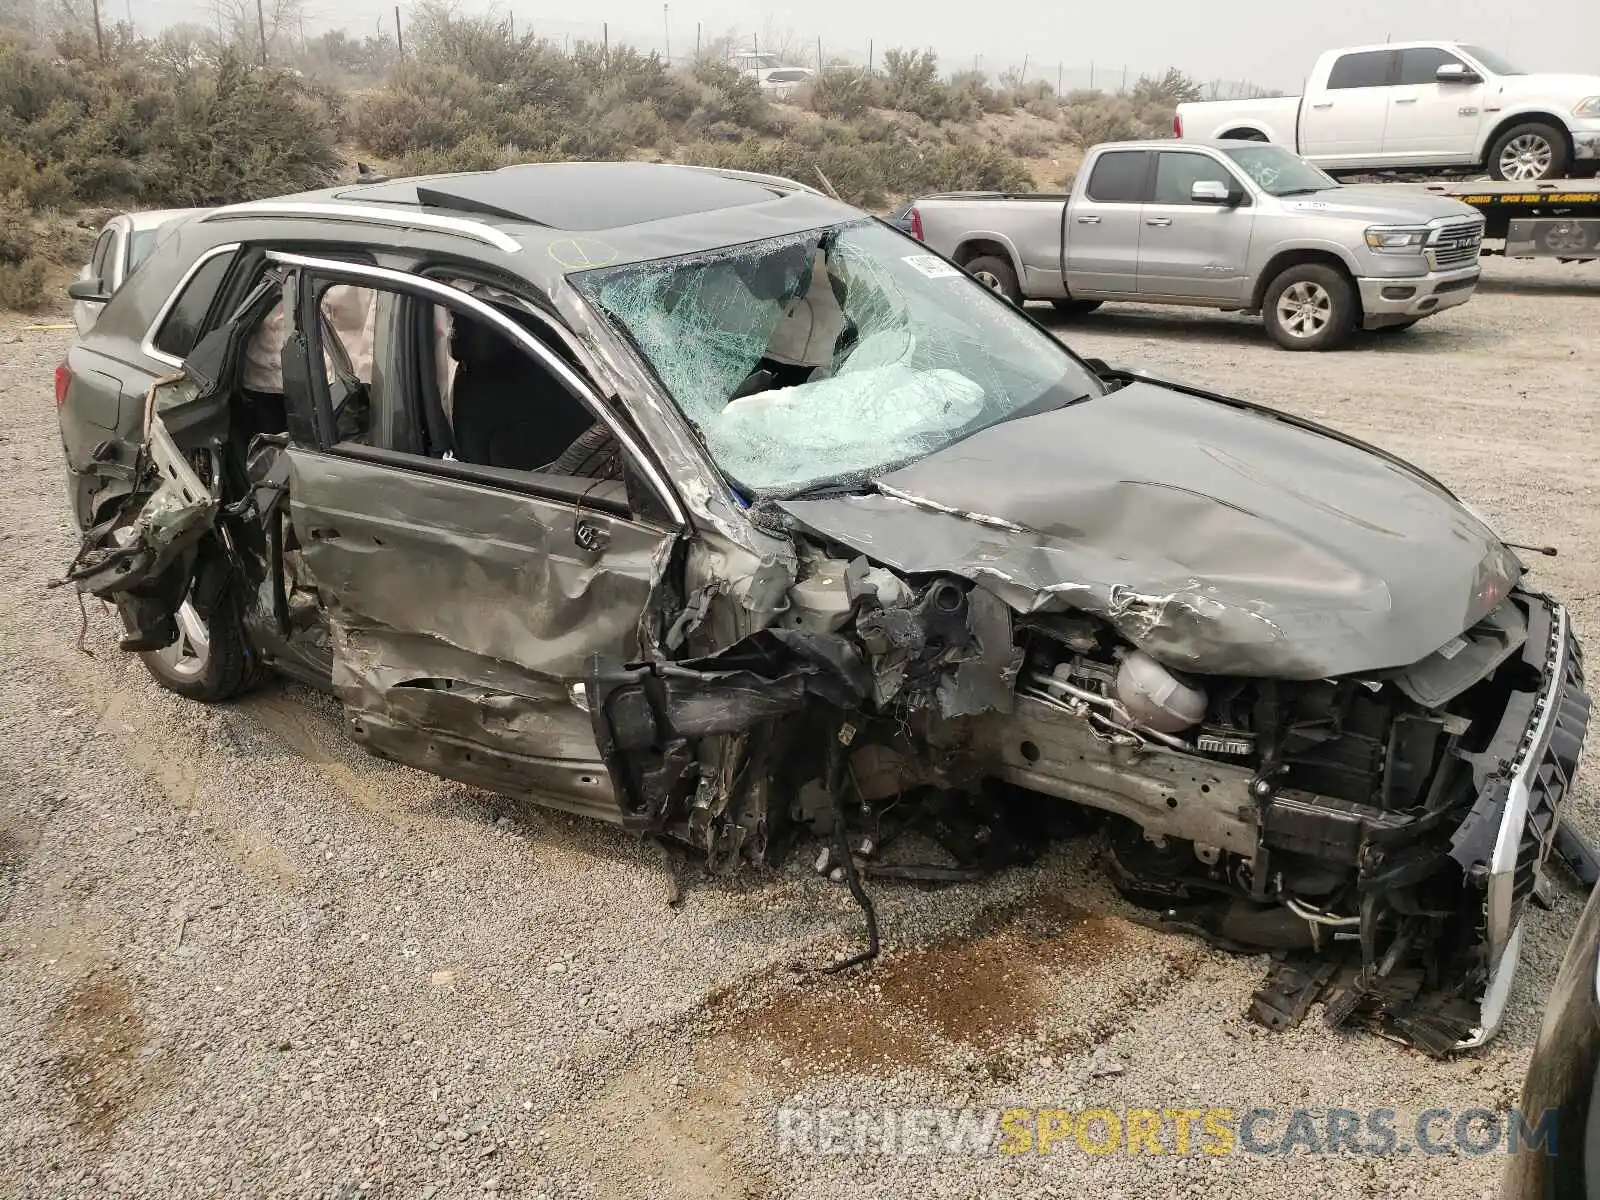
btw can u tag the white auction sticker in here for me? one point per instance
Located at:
(932, 266)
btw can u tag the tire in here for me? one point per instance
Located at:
(211, 660)
(1530, 151)
(1075, 308)
(1310, 306)
(996, 275)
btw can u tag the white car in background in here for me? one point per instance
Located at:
(775, 77)
(124, 242)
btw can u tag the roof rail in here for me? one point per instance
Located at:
(340, 210)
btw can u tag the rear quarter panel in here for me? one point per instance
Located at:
(1273, 117)
(1028, 231)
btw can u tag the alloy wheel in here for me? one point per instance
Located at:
(1527, 156)
(1305, 308)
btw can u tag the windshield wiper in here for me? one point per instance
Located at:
(1305, 191)
(831, 488)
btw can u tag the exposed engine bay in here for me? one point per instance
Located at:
(1378, 834)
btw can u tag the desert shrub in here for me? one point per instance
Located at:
(846, 93)
(477, 152)
(910, 79)
(1107, 119)
(422, 106)
(1046, 108)
(1027, 143)
(76, 129)
(868, 174)
(634, 123)
(22, 285)
(911, 84)
(726, 95)
(1169, 89)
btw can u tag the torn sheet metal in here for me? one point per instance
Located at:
(179, 512)
(1217, 540)
(650, 719)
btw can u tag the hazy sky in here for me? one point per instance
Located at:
(1266, 41)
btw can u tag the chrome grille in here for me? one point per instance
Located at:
(1453, 246)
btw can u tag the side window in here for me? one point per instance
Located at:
(186, 317)
(1118, 177)
(1176, 175)
(1369, 68)
(100, 260)
(1419, 64)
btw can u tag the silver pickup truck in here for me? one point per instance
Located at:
(1235, 225)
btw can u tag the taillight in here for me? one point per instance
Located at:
(63, 382)
(1177, 125)
(916, 224)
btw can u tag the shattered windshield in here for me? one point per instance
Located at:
(832, 356)
(1278, 172)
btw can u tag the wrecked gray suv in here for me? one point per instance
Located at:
(709, 506)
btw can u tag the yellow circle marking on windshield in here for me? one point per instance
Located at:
(580, 254)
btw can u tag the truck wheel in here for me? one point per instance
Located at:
(1310, 306)
(996, 275)
(210, 661)
(1075, 308)
(1528, 152)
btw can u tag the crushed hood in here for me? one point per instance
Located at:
(1220, 538)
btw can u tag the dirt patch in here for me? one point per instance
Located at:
(101, 1067)
(1037, 971)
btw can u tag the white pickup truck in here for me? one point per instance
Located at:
(1415, 106)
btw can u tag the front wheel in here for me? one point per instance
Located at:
(1310, 306)
(996, 275)
(1075, 308)
(1528, 152)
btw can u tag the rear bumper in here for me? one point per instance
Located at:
(1396, 301)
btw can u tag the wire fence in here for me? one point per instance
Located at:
(283, 27)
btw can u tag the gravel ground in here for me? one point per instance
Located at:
(238, 957)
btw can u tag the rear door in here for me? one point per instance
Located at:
(1100, 235)
(466, 603)
(1431, 121)
(1344, 123)
(1194, 251)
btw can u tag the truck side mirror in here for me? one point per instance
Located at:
(1211, 191)
(91, 290)
(1456, 73)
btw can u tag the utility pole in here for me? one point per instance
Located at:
(666, 24)
(605, 36)
(697, 41)
(869, 56)
(399, 38)
(819, 56)
(261, 28)
(1023, 78)
(1060, 68)
(99, 38)
(1091, 75)
(1124, 90)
